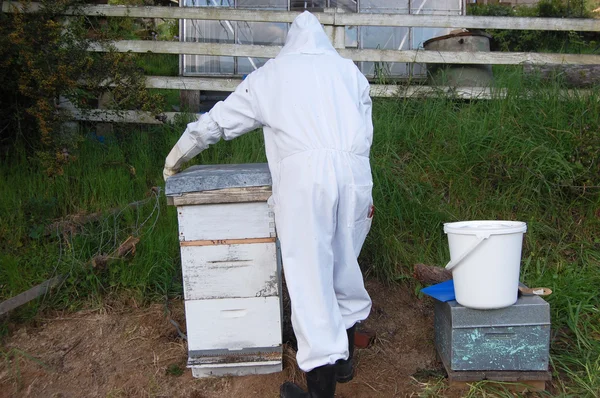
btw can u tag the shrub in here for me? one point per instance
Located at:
(44, 59)
(534, 40)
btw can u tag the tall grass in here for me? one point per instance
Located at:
(531, 156)
(520, 157)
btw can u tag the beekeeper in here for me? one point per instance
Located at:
(315, 110)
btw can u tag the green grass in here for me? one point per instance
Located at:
(158, 64)
(531, 156)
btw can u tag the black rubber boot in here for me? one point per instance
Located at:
(345, 367)
(321, 384)
(292, 390)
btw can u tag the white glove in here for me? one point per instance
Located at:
(196, 138)
(177, 157)
(168, 172)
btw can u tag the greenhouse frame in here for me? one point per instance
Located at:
(268, 33)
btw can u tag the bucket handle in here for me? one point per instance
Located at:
(451, 264)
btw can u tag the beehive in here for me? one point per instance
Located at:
(515, 338)
(231, 269)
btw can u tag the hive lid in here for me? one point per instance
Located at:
(212, 177)
(527, 311)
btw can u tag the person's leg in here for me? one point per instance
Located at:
(305, 215)
(352, 297)
(354, 223)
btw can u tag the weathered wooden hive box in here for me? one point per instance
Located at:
(231, 269)
(516, 338)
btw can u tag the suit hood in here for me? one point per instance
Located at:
(306, 36)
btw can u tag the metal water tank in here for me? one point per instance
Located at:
(460, 75)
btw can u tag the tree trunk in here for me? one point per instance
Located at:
(190, 100)
(573, 75)
(430, 275)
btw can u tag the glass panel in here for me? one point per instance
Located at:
(384, 6)
(435, 7)
(308, 4)
(351, 37)
(263, 4)
(208, 3)
(385, 38)
(421, 35)
(258, 33)
(262, 33)
(208, 32)
(346, 5)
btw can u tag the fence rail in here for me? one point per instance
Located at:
(421, 56)
(335, 23)
(335, 19)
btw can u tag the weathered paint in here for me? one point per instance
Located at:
(520, 348)
(213, 177)
(225, 221)
(230, 271)
(247, 355)
(233, 324)
(515, 338)
(236, 369)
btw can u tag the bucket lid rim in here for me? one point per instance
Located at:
(497, 227)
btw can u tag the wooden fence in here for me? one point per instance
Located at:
(335, 24)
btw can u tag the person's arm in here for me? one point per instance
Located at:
(367, 105)
(227, 119)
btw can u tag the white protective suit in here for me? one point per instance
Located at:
(315, 110)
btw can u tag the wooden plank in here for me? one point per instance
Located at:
(377, 90)
(190, 48)
(469, 22)
(109, 116)
(395, 91)
(29, 295)
(229, 271)
(456, 57)
(204, 13)
(573, 75)
(192, 83)
(229, 195)
(374, 55)
(233, 324)
(218, 242)
(521, 386)
(220, 222)
(469, 376)
(504, 375)
(384, 91)
(338, 19)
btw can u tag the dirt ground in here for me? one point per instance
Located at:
(137, 352)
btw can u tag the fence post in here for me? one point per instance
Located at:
(329, 31)
(336, 34)
(339, 32)
(189, 100)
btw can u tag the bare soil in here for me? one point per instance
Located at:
(137, 352)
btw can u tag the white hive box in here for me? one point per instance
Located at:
(231, 269)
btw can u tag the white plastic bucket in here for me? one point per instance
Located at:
(485, 259)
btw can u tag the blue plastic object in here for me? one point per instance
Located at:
(442, 291)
